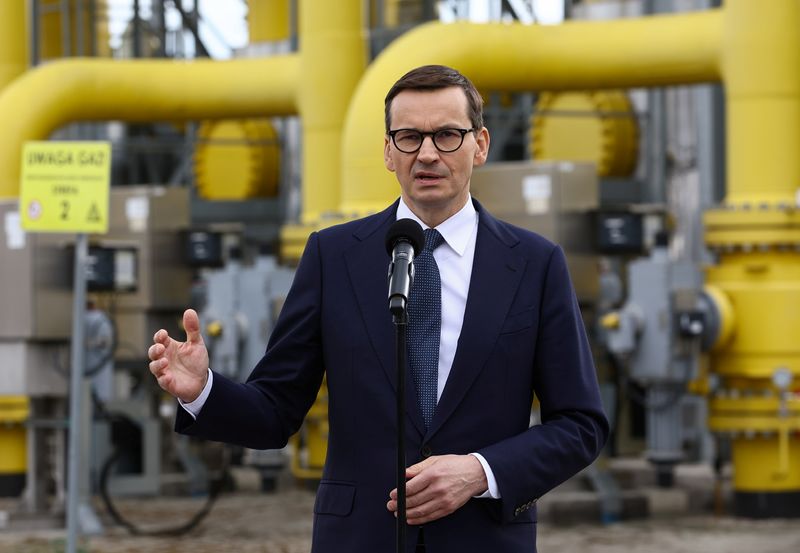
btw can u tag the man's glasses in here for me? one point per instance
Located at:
(409, 141)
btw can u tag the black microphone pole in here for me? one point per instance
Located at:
(400, 324)
(404, 239)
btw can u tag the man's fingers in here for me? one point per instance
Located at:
(423, 517)
(156, 351)
(414, 470)
(427, 512)
(411, 499)
(164, 381)
(158, 366)
(415, 482)
(161, 337)
(418, 482)
(191, 324)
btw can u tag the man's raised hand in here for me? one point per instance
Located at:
(181, 368)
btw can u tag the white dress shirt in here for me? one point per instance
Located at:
(454, 259)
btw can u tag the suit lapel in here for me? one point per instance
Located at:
(371, 289)
(496, 275)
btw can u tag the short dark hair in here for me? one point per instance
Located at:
(435, 77)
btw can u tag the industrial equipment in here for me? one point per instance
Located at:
(34, 328)
(241, 302)
(657, 335)
(597, 126)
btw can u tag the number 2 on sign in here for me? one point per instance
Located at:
(64, 210)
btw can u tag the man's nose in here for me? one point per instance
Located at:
(427, 150)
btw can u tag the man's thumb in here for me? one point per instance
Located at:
(191, 324)
(414, 470)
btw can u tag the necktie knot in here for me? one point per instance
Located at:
(433, 239)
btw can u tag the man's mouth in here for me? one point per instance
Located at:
(427, 177)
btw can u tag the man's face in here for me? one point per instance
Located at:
(435, 185)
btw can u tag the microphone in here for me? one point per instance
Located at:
(404, 238)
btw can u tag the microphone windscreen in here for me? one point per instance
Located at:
(408, 230)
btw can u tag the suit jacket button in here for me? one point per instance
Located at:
(426, 451)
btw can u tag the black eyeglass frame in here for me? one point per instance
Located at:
(432, 134)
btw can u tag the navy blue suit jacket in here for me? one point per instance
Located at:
(522, 333)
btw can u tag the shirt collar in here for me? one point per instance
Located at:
(456, 230)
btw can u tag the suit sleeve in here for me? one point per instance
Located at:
(574, 427)
(265, 411)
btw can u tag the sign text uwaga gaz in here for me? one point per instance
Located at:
(65, 186)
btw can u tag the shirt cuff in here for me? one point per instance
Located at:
(492, 491)
(194, 407)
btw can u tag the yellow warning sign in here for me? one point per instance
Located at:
(65, 186)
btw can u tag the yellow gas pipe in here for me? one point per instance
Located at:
(756, 236)
(268, 20)
(13, 42)
(326, 87)
(60, 92)
(14, 410)
(52, 18)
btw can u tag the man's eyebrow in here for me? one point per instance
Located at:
(438, 128)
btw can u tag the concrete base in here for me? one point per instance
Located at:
(695, 491)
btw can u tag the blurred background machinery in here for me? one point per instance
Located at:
(654, 140)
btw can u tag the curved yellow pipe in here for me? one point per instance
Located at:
(95, 90)
(650, 51)
(761, 65)
(13, 42)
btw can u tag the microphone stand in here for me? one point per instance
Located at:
(400, 320)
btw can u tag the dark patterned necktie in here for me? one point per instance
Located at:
(425, 325)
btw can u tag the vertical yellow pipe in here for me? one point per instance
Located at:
(51, 45)
(13, 42)
(402, 12)
(14, 57)
(761, 68)
(333, 58)
(268, 20)
(103, 34)
(51, 41)
(755, 236)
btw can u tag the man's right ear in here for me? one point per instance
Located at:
(387, 155)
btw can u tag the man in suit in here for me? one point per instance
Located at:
(508, 327)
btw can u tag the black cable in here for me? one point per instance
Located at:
(215, 486)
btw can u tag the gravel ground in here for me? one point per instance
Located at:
(281, 523)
